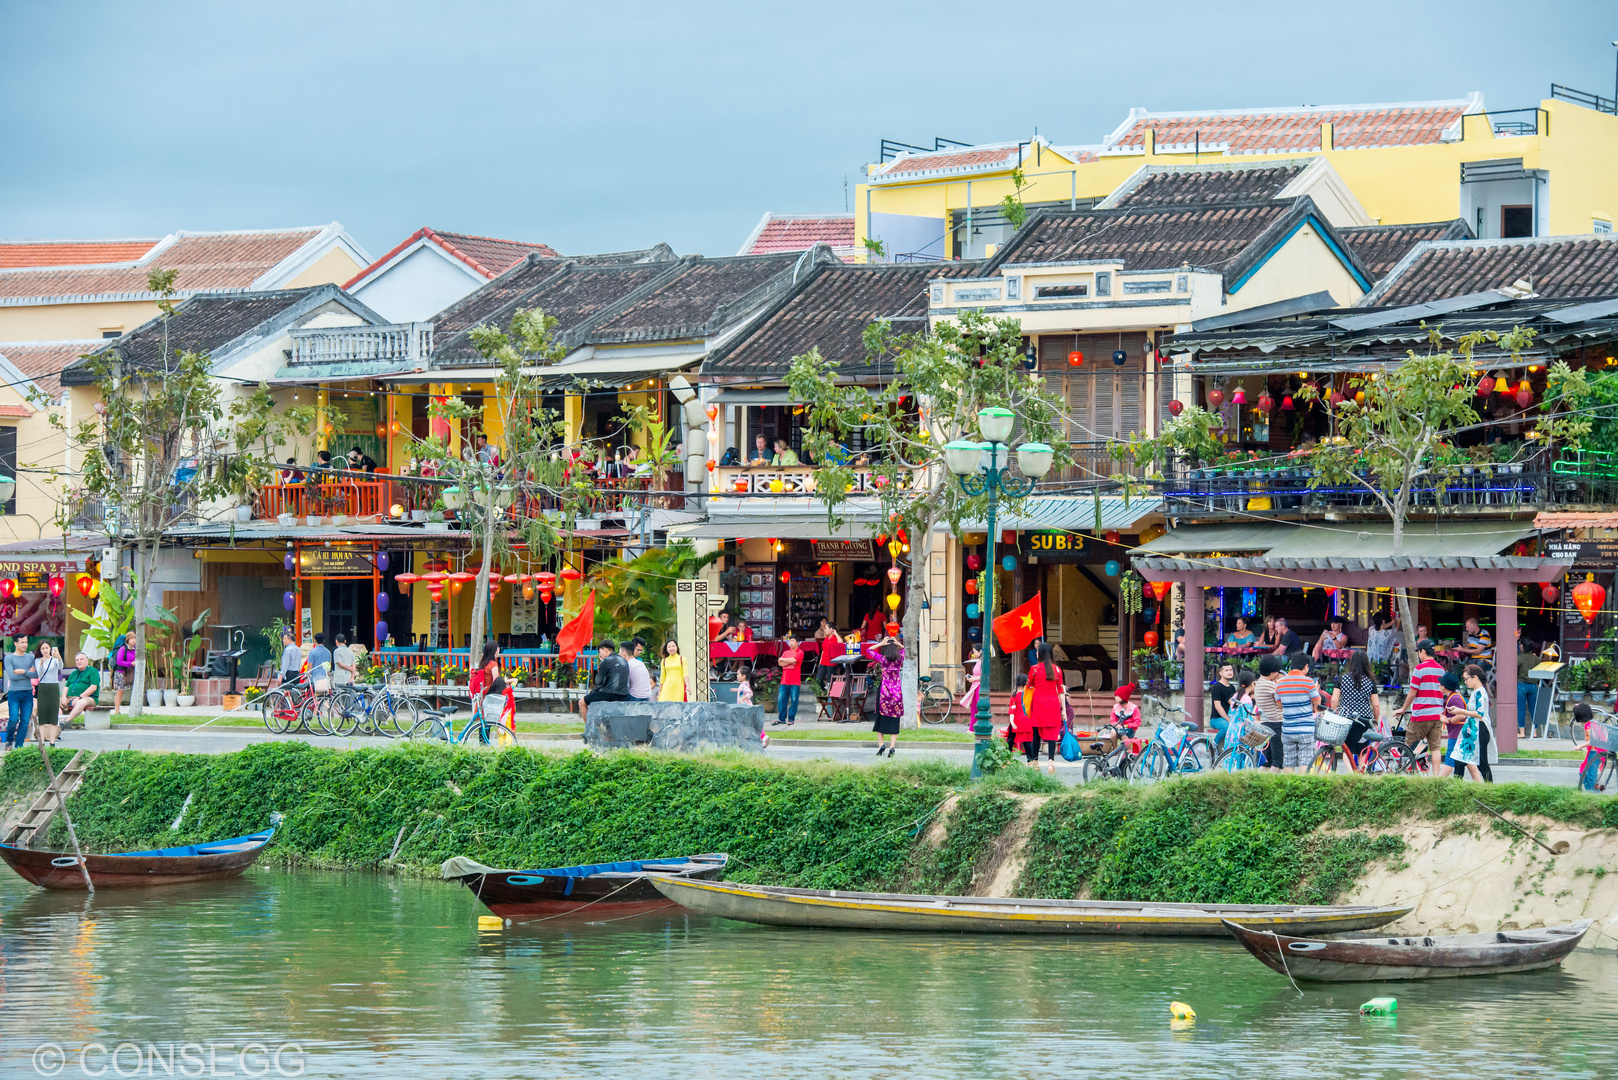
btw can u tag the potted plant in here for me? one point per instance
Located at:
(765, 686)
(435, 517)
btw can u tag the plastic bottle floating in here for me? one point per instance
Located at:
(490, 922)
(1179, 1010)
(1384, 1006)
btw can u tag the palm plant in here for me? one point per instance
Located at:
(636, 598)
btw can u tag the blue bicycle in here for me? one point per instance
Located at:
(440, 724)
(1174, 750)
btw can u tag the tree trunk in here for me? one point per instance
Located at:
(916, 646)
(480, 602)
(1407, 621)
(147, 562)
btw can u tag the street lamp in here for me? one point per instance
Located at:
(985, 469)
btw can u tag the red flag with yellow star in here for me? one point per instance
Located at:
(1018, 628)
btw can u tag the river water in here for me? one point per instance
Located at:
(365, 975)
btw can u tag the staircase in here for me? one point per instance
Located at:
(37, 820)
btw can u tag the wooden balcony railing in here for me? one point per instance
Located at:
(796, 480)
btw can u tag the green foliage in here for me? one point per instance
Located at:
(1192, 436)
(636, 599)
(971, 830)
(1012, 205)
(875, 247)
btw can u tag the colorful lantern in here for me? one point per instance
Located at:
(712, 464)
(1549, 593)
(893, 601)
(893, 629)
(1525, 396)
(57, 584)
(973, 611)
(1588, 597)
(1176, 407)
(545, 579)
(1337, 398)
(545, 596)
(1239, 397)
(406, 580)
(571, 574)
(528, 590)
(1111, 568)
(786, 577)
(1120, 358)
(86, 583)
(894, 574)
(713, 413)
(1286, 403)
(1008, 563)
(1265, 401)
(382, 601)
(396, 510)
(1160, 589)
(879, 481)
(1216, 398)
(777, 486)
(1359, 397)
(1111, 536)
(1149, 639)
(436, 593)
(494, 587)
(894, 547)
(382, 561)
(381, 631)
(1075, 358)
(515, 579)
(971, 586)
(288, 600)
(288, 562)
(1485, 386)
(974, 561)
(826, 570)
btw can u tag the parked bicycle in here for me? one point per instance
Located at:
(1116, 759)
(1380, 754)
(440, 724)
(1175, 749)
(938, 704)
(1244, 744)
(386, 709)
(1604, 741)
(296, 706)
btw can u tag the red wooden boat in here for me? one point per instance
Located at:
(160, 866)
(606, 889)
(1376, 959)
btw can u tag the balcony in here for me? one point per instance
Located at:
(406, 344)
(796, 480)
(372, 497)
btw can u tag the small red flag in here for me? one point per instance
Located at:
(1018, 628)
(577, 631)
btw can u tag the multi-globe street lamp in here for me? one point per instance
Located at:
(984, 468)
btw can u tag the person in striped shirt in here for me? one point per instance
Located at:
(1425, 704)
(1478, 644)
(1299, 696)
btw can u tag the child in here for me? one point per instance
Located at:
(1454, 714)
(744, 696)
(1018, 724)
(1125, 714)
(500, 704)
(1591, 765)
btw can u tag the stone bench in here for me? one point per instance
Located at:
(687, 726)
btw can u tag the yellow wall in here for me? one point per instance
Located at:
(66, 322)
(1580, 154)
(335, 267)
(1304, 265)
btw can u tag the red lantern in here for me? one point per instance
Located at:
(528, 590)
(461, 577)
(1160, 589)
(1286, 403)
(406, 580)
(879, 481)
(545, 596)
(826, 570)
(545, 579)
(1549, 593)
(86, 584)
(1588, 597)
(1525, 397)
(57, 584)
(786, 576)
(974, 561)
(436, 592)
(494, 587)
(8, 588)
(571, 574)
(1112, 536)
(1075, 358)
(1486, 386)
(1239, 397)
(893, 629)
(971, 586)
(1265, 402)
(1176, 407)
(1337, 397)
(712, 464)
(1216, 398)
(515, 579)
(1149, 639)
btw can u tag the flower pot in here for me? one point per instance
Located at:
(339, 519)
(418, 515)
(171, 698)
(154, 698)
(286, 520)
(185, 701)
(244, 513)
(453, 498)
(312, 519)
(231, 702)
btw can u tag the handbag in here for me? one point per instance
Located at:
(1070, 748)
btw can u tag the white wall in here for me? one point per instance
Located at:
(417, 286)
(1491, 195)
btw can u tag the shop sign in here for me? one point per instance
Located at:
(1594, 554)
(845, 550)
(35, 569)
(334, 562)
(1058, 547)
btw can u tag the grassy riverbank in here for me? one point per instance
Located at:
(1232, 838)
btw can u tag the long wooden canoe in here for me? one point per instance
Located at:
(995, 915)
(1379, 959)
(160, 866)
(619, 888)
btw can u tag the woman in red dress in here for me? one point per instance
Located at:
(1045, 707)
(483, 678)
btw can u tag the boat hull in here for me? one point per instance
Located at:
(1402, 959)
(974, 914)
(515, 894)
(60, 870)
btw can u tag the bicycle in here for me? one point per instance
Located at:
(937, 701)
(1246, 740)
(384, 710)
(1381, 754)
(295, 706)
(1115, 764)
(440, 724)
(1604, 741)
(1174, 749)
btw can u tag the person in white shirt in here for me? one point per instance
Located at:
(640, 677)
(344, 672)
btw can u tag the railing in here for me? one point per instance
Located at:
(1530, 121)
(1093, 461)
(403, 342)
(1580, 97)
(537, 667)
(796, 480)
(892, 148)
(376, 496)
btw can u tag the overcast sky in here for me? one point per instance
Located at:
(605, 126)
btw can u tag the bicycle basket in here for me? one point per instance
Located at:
(396, 678)
(1331, 728)
(1256, 736)
(1171, 734)
(1604, 736)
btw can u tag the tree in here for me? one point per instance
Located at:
(636, 598)
(163, 444)
(939, 383)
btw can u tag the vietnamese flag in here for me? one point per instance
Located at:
(1018, 628)
(577, 631)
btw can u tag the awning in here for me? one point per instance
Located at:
(1200, 539)
(791, 528)
(1075, 513)
(1574, 520)
(1455, 539)
(615, 370)
(773, 396)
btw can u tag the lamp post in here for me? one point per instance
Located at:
(985, 469)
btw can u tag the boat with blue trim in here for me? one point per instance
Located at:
(121, 869)
(615, 888)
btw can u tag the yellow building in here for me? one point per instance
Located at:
(1539, 171)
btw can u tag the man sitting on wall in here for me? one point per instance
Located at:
(611, 679)
(83, 689)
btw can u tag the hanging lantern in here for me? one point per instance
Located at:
(545, 579)
(974, 633)
(786, 577)
(1525, 396)
(1286, 403)
(1588, 597)
(1160, 589)
(1216, 398)
(1337, 397)
(973, 611)
(971, 586)
(404, 581)
(382, 601)
(893, 601)
(545, 596)
(1075, 358)
(1120, 358)
(1030, 359)
(288, 562)
(1485, 386)
(713, 413)
(56, 585)
(434, 578)
(1549, 593)
(528, 590)
(777, 486)
(1239, 397)
(288, 600)
(894, 547)
(1111, 568)
(1359, 397)
(1176, 407)
(514, 579)
(1149, 639)
(1111, 536)
(494, 588)
(436, 593)
(974, 561)
(1265, 401)
(893, 629)
(382, 431)
(571, 574)
(382, 561)
(894, 574)
(826, 570)
(455, 588)
(712, 464)
(86, 582)
(381, 631)
(463, 576)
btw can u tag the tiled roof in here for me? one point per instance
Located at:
(987, 157)
(43, 361)
(702, 296)
(830, 311)
(27, 253)
(206, 262)
(1380, 247)
(1555, 265)
(1212, 186)
(781, 232)
(201, 324)
(1279, 131)
(950, 159)
(484, 254)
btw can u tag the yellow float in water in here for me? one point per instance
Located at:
(490, 922)
(1181, 1011)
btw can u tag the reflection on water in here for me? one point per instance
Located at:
(374, 976)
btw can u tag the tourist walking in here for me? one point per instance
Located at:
(344, 669)
(1299, 696)
(671, 686)
(19, 671)
(291, 664)
(1045, 706)
(1474, 748)
(48, 692)
(786, 697)
(1424, 703)
(1356, 699)
(123, 669)
(890, 700)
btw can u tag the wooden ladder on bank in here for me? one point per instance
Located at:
(37, 820)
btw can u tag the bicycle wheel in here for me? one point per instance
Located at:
(1607, 774)
(316, 714)
(279, 713)
(936, 705)
(1198, 755)
(345, 710)
(1395, 756)
(1237, 758)
(428, 727)
(1325, 762)
(1152, 766)
(402, 714)
(493, 734)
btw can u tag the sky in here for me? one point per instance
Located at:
(615, 125)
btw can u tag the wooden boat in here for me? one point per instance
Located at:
(160, 866)
(1378, 959)
(616, 888)
(996, 915)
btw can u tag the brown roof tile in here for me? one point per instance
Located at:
(830, 311)
(703, 295)
(43, 361)
(204, 261)
(1274, 131)
(1380, 247)
(950, 160)
(34, 253)
(1149, 238)
(781, 233)
(1558, 266)
(1209, 187)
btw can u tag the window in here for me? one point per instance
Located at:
(105, 334)
(8, 462)
(1048, 291)
(1182, 283)
(938, 294)
(1600, 225)
(1516, 221)
(1013, 288)
(1104, 283)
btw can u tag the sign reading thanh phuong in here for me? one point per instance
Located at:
(845, 550)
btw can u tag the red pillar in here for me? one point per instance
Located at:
(376, 590)
(1194, 617)
(1505, 663)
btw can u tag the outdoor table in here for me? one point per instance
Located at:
(1336, 654)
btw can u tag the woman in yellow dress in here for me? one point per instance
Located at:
(673, 687)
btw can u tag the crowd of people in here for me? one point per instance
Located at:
(42, 695)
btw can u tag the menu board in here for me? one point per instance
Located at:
(758, 599)
(524, 612)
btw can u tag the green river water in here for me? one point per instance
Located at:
(379, 976)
